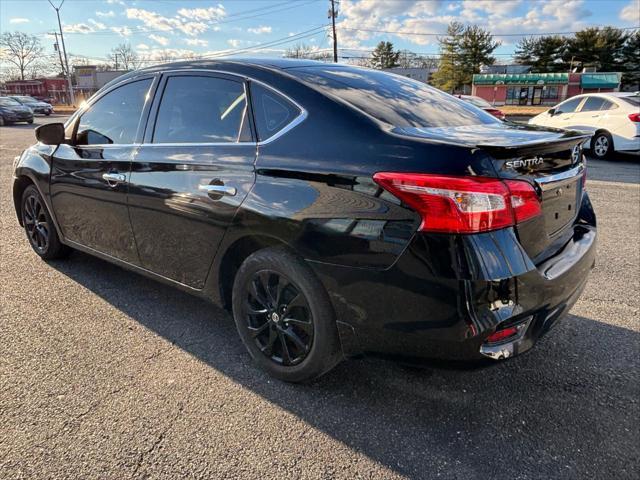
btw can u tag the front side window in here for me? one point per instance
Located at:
(569, 106)
(272, 111)
(201, 110)
(114, 118)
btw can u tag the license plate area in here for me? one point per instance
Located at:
(559, 203)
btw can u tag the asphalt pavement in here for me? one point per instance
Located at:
(106, 374)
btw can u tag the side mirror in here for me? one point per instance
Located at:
(50, 133)
(551, 111)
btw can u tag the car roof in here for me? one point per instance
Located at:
(237, 65)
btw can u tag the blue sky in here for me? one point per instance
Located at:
(208, 27)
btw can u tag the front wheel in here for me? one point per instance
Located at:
(602, 145)
(39, 227)
(284, 316)
(30, 121)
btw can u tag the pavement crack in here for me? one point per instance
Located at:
(157, 442)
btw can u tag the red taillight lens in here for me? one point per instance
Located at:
(501, 335)
(462, 204)
(634, 117)
(524, 200)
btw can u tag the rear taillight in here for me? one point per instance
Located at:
(500, 335)
(462, 204)
(634, 117)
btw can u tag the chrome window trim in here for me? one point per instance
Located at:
(290, 126)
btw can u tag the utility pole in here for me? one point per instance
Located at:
(333, 13)
(116, 57)
(72, 97)
(56, 47)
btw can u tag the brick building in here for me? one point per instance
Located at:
(541, 88)
(54, 89)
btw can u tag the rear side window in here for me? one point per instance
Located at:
(607, 105)
(593, 104)
(271, 110)
(201, 110)
(569, 106)
(114, 117)
(393, 99)
(633, 100)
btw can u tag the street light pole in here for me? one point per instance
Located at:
(72, 97)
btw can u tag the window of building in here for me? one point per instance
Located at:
(272, 112)
(114, 117)
(201, 110)
(550, 93)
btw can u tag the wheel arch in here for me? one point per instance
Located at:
(227, 267)
(603, 130)
(19, 186)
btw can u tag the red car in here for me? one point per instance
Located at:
(483, 104)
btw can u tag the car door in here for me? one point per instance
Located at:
(589, 115)
(192, 172)
(89, 175)
(563, 113)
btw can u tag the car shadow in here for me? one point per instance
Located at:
(557, 411)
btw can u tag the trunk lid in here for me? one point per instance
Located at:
(549, 159)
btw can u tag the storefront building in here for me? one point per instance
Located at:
(541, 88)
(53, 89)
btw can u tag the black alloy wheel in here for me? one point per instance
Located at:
(284, 316)
(278, 318)
(35, 223)
(39, 227)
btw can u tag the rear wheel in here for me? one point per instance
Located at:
(284, 316)
(39, 227)
(602, 145)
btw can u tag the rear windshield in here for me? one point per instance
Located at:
(635, 100)
(393, 99)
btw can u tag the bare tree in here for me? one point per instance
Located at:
(305, 51)
(21, 50)
(124, 57)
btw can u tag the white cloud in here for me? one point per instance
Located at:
(116, 2)
(142, 46)
(259, 30)
(196, 42)
(109, 14)
(19, 20)
(97, 25)
(155, 21)
(234, 42)
(203, 14)
(631, 13)
(164, 41)
(77, 28)
(122, 31)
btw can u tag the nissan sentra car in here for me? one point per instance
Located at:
(335, 210)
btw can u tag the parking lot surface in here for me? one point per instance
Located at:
(106, 374)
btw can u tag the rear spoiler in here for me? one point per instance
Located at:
(534, 148)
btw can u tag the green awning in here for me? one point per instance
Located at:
(521, 79)
(599, 80)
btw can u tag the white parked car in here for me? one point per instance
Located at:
(612, 118)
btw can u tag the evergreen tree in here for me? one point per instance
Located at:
(476, 47)
(598, 47)
(384, 56)
(542, 54)
(631, 61)
(448, 76)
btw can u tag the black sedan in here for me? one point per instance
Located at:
(335, 210)
(12, 112)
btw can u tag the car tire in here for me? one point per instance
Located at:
(46, 114)
(1, 121)
(39, 227)
(284, 316)
(30, 121)
(602, 145)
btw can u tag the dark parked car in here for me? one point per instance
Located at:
(37, 106)
(483, 104)
(12, 112)
(336, 210)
